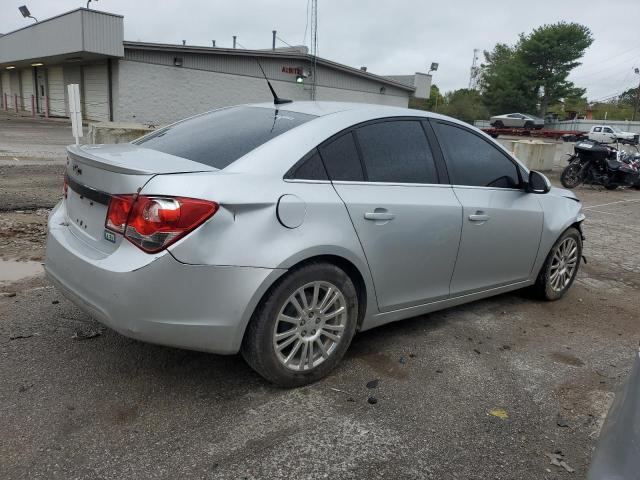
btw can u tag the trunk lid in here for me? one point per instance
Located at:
(96, 172)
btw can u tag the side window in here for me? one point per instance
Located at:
(607, 130)
(311, 168)
(472, 160)
(597, 129)
(396, 151)
(341, 159)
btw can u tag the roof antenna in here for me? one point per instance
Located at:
(276, 100)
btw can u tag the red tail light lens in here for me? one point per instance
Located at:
(118, 213)
(153, 223)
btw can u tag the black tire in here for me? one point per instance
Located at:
(543, 287)
(528, 125)
(611, 187)
(571, 176)
(498, 124)
(258, 347)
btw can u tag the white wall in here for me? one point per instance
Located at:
(159, 94)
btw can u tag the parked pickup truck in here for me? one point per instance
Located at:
(610, 134)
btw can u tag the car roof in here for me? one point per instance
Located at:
(321, 109)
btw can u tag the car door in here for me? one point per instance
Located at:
(501, 223)
(407, 222)
(596, 134)
(607, 135)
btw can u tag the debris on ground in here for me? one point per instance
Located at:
(87, 334)
(500, 413)
(55, 302)
(561, 421)
(20, 335)
(341, 391)
(8, 294)
(373, 383)
(372, 400)
(557, 459)
(477, 351)
(403, 360)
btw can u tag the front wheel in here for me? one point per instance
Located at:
(303, 326)
(572, 175)
(561, 266)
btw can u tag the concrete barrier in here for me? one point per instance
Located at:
(113, 132)
(535, 154)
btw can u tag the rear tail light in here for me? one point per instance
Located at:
(152, 222)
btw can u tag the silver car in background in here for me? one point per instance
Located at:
(517, 120)
(281, 230)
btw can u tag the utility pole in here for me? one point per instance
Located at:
(314, 47)
(637, 102)
(273, 42)
(473, 82)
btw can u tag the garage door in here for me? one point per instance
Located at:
(6, 87)
(26, 78)
(55, 81)
(96, 92)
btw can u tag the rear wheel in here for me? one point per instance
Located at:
(561, 266)
(528, 125)
(571, 176)
(498, 124)
(303, 327)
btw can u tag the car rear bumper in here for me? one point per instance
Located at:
(156, 298)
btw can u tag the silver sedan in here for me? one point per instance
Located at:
(281, 230)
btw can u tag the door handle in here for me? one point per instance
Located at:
(378, 216)
(479, 217)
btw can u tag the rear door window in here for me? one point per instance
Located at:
(340, 156)
(396, 152)
(221, 137)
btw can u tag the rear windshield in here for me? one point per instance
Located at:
(221, 137)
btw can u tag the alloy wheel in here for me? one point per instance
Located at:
(563, 264)
(310, 325)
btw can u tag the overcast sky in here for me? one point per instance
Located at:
(389, 37)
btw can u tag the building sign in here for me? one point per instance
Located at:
(292, 70)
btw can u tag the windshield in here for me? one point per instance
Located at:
(221, 137)
(616, 129)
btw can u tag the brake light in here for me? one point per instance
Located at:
(118, 213)
(152, 223)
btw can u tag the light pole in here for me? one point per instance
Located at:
(434, 68)
(637, 102)
(26, 13)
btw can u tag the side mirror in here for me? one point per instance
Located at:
(538, 183)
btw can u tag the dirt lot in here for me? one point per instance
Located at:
(79, 401)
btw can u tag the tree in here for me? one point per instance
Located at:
(430, 103)
(505, 81)
(464, 104)
(551, 52)
(532, 74)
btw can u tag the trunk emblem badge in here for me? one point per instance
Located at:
(76, 169)
(109, 236)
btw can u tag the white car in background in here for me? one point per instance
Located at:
(516, 120)
(610, 134)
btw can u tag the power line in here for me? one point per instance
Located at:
(306, 26)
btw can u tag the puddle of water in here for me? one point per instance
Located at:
(12, 270)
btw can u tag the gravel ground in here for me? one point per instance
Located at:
(81, 401)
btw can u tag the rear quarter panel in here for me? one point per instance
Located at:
(246, 230)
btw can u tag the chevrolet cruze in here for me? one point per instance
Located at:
(279, 231)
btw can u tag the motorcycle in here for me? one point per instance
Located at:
(596, 163)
